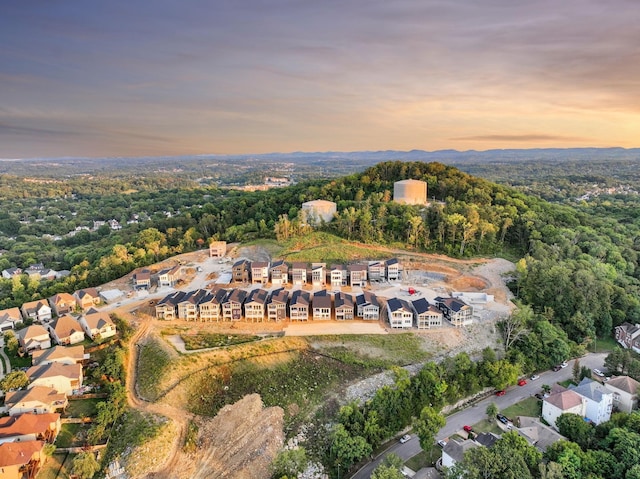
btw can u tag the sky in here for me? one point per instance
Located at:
(90, 78)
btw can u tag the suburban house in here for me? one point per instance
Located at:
(454, 451)
(87, 298)
(33, 337)
(64, 378)
(169, 276)
(357, 274)
(210, 307)
(277, 305)
(562, 401)
(37, 399)
(377, 270)
(217, 249)
(367, 306)
(299, 305)
(344, 306)
(599, 400)
(9, 319)
(299, 274)
(279, 273)
(62, 303)
(321, 305)
(338, 275)
(400, 313)
(625, 393)
(167, 307)
(30, 427)
(142, 279)
(21, 460)
(98, 325)
(241, 271)
(110, 295)
(456, 311)
(537, 434)
(38, 310)
(427, 315)
(260, 272)
(319, 274)
(188, 305)
(255, 306)
(38, 271)
(59, 354)
(232, 305)
(66, 330)
(9, 273)
(628, 335)
(393, 269)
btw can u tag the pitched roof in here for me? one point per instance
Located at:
(35, 306)
(391, 261)
(395, 304)
(300, 297)
(258, 296)
(591, 389)
(236, 296)
(41, 394)
(420, 305)
(342, 299)
(10, 314)
(98, 320)
(280, 265)
(367, 297)
(299, 265)
(65, 326)
(259, 264)
(91, 292)
(32, 331)
(624, 383)
(62, 298)
(564, 400)
(456, 449)
(58, 352)
(26, 424)
(18, 453)
(454, 304)
(71, 371)
(279, 296)
(321, 299)
(357, 267)
(172, 299)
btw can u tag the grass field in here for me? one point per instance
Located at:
(68, 435)
(327, 248)
(603, 345)
(57, 466)
(424, 458)
(529, 407)
(487, 426)
(153, 362)
(213, 340)
(82, 407)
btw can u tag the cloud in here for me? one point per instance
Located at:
(526, 138)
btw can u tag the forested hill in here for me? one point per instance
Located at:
(580, 270)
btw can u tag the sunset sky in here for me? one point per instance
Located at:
(170, 77)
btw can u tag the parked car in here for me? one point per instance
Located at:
(442, 443)
(405, 438)
(467, 428)
(502, 418)
(557, 368)
(597, 372)
(534, 377)
(605, 379)
(501, 393)
(564, 364)
(522, 382)
(539, 396)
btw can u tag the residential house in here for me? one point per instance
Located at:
(33, 338)
(338, 275)
(456, 311)
(299, 305)
(169, 276)
(62, 303)
(376, 271)
(30, 427)
(38, 310)
(217, 249)
(319, 274)
(454, 451)
(344, 306)
(599, 400)
(210, 307)
(427, 315)
(21, 460)
(536, 433)
(188, 305)
(260, 272)
(399, 313)
(321, 305)
(255, 306)
(562, 401)
(64, 378)
(299, 274)
(277, 305)
(625, 393)
(36, 399)
(111, 295)
(279, 273)
(66, 330)
(98, 325)
(367, 306)
(9, 273)
(142, 279)
(9, 319)
(167, 307)
(393, 269)
(357, 274)
(232, 305)
(628, 335)
(241, 271)
(59, 354)
(38, 271)
(87, 298)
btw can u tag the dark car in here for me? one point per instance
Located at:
(557, 368)
(502, 418)
(539, 396)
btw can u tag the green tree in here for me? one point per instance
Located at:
(386, 472)
(576, 429)
(14, 380)
(289, 463)
(346, 449)
(576, 371)
(11, 342)
(491, 411)
(84, 465)
(427, 426)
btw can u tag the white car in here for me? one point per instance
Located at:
(597, 372)
(564, 364)
(534, 377)
(405, 438)
(442, 443)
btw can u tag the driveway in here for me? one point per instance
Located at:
(475, 413)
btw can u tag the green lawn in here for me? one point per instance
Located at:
(56, 467)
(487, 426)
(82, 407)
(424, 459)
(16, 361)
(529, 407)
(68, 435)
(603, 345)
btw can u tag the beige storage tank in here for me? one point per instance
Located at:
(319, 210)
(410, 192)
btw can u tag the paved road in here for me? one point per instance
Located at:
(476, 413)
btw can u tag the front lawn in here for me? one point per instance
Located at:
(603, 345)
(529, 407)
(16, 361)
(424, 458)
(82, 407)
(487, 426)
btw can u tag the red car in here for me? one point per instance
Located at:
(467, 428)
(522, 382)
(501, 393)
